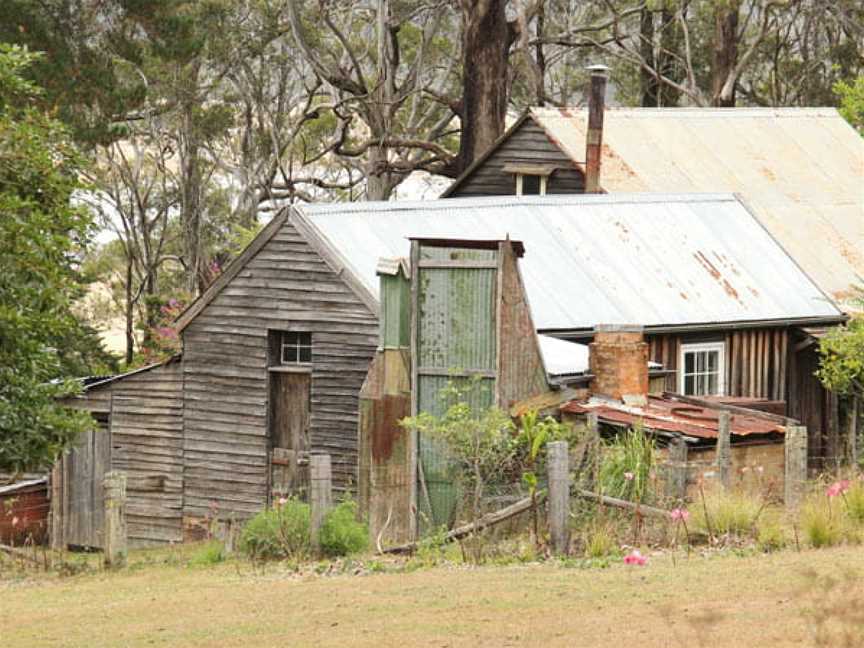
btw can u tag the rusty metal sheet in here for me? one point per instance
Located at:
(801, 170)
(669, 415)
(655, 259)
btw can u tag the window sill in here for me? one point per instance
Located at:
(305, 367)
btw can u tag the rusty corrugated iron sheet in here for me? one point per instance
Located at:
(669, 415)
(801, 170)
(656, 259)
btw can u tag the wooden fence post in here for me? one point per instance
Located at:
(795, 450)
(321, 494)
(593, 449)
(724, 449)
(558, 463)
(115, 548)
(676, 475)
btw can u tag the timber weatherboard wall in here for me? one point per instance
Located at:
(526, 143)
(285, 286)
(140, 433)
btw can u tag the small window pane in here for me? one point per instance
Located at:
(700, 361)
(713, 360)
(688, 385)
(305, 354)
(530, 185)
(700, 385)
(688, 363)
(712, 384)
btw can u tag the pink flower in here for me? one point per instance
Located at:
(629, 476)
(15, 521)
(680, 514)
(760, 469)
(282, 501)
(838, 488)
(635, 557)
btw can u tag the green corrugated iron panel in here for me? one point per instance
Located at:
(395, 311)
(456, 254)
(439, 496)
(457, 318)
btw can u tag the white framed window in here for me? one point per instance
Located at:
(295, 347)
(531, 185)
(702, 369)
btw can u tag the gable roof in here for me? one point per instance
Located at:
(659, 260)
(800, 170)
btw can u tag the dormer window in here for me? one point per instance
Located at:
(531, 179)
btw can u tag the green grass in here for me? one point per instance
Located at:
(757, 599)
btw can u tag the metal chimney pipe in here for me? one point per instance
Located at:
(594, 140)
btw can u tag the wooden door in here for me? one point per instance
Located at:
(80, 473)
(289, 432)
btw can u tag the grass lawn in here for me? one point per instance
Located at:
(722, 600)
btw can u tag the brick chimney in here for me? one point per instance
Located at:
(594, 139)
(619, 362)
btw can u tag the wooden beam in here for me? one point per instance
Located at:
(743, 411)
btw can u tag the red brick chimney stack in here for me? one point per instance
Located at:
(619, 363)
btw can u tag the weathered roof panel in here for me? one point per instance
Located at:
(656, 259)
(801, 170)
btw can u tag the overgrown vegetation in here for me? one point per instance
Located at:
(281, 532)
(627, 465)
(341, 534)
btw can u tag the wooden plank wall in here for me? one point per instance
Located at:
(529, 144)
(147, 443)
(286, 286)
(756, 360)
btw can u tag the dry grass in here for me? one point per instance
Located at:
(719, 600)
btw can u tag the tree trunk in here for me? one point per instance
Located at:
(379, 180)
(648, 83)
(486, 40)
(130, 338)
(724, 56)
(191, 205)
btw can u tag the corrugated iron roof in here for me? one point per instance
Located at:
(565, 358)
(801, 170)
(668, 415)
(656, 259)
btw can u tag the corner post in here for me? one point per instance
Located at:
(321, 494)
(795, 451)
(116, 539)
(724, 449)
(557, 453)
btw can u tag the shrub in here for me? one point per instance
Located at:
(771, 535)
(627, 464)
(281, 532)
(211, 553)
(341, 534)
(853, 499)
(600, 542)
(821, 526)
(728, 513)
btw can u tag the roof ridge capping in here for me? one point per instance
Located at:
(499, 201)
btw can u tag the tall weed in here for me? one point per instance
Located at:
(277, 533)
(722, 512)
(627, 465)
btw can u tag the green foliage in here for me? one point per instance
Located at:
(853, 500)
(841, 364)
(771, 534)
(627, 464)
(600, 541)
(821, 525)
(852, 102)
(731, 513)
(278, 533)
(212, 553)
(42, 233)
(341, 534)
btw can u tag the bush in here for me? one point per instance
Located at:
(211, 553)
(821, 526)
(854, 501)
(278, 533)
(627, 464)
(771, 535)
(341, 533)
(729, 513)
(600, 542)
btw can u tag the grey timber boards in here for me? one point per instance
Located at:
(526, 144)
(284, 286)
